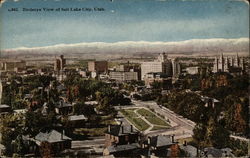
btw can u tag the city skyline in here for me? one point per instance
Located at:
(149, 20)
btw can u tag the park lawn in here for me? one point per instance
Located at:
(159, 127)
(152, 118)
(133, 118)
(129, 113)
(139, 124)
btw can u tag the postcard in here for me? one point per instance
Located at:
(124, 78)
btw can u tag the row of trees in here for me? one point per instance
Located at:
(186, 104)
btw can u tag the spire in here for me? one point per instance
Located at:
(221, 55)
(237, 56)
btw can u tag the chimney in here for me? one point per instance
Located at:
(122, 129)
(185, 143)
(197, 152)
(109, 128)
(172, 138)
(131, 127)
(149, 140)
(62, 134)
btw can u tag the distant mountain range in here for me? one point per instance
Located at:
(194, 46)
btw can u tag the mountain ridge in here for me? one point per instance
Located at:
(130, 47)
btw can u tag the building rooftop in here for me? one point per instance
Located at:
(91, 102)
(190, 150)
(214, 152)
(20, 111)
(119, 148)
(61, 87)
(160, 141)
(77, 117)
(205, 99)
(62, 104)
(52, 137)
(4, 106)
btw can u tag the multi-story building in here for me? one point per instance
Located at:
(98, 66)
(123, 76)
(12, 65)
(192, 70)
(161, 64)
(176, 68)
(152, 77)
(126, 72)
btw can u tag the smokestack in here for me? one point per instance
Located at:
(131, 127)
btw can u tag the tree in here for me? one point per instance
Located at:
(34, 122)
(78, 108)
(20, 147)
(236, 113)
(216, 135)
(199, 134)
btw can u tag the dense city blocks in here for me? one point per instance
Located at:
(192, 106)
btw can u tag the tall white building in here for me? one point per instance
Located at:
(176, 68)
(161, 64)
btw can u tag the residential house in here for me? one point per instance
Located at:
(51, 142)
(77, 120)
(160, 145)
(63, 108)
(121, 135)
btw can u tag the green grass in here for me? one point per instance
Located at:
(139, 124)
(152, 118)
(129, 113)
(158, 128)
(133, 118)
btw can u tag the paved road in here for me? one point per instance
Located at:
(94, 142)
(240, 138)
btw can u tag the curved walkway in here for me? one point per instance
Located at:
(144, 119)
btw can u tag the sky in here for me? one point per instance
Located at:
(121, 20)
